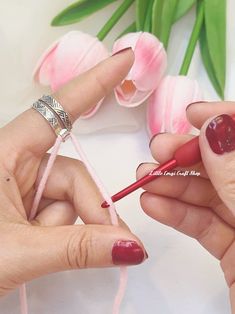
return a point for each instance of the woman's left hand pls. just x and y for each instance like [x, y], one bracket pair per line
[48, 243]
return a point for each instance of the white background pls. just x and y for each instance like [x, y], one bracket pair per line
[179, 277]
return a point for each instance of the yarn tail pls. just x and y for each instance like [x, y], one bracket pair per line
[114, 220]
[121, 290]
[36, 201]
[23, 299]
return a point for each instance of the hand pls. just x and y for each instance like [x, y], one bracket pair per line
[202, 207]
[48, 243]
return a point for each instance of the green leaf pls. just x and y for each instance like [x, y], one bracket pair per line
[215, 33]
[78, 11]
[141, 12]
[208, 63]
[183, 6]
[148, 17]
[162, 19]
[213, 43]
[130, 29]
[115, 17]
[157, 17]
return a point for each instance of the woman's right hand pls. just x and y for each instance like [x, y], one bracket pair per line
[203, 207]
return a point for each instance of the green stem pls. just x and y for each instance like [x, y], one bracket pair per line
[114, 19]
[130, 29]
[193, 40]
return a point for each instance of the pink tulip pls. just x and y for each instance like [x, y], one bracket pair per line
[147, 70]
[69, 56]
[166, 107]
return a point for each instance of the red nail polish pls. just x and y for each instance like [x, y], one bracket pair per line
[220, 134]
[121, 51]
[154, 136]
[195, 102]
[127, 253]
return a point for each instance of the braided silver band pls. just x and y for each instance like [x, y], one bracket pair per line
[58, 109]
[47, 114]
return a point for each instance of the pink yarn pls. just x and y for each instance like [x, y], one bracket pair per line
[107, 198]
[23, 299]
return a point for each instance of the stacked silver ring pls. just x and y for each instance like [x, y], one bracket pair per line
[55, 114]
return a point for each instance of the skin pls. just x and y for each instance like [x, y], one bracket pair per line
[50, 242]
[30, 249]
[200, 207]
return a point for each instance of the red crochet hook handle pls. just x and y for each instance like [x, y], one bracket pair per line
[186, 155]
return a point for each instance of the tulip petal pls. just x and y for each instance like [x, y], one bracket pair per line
[90, 113]
[70, 56]
[150, 62]
[166, 111]
[191, 93]
[130, 100]
[147, 70]
[43, 70]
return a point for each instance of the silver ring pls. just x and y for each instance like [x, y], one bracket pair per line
[58, 109]
[47, 114]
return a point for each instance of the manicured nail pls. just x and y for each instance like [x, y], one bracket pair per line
[195, 102]
[154, 136]
[142, 163]
[220, 134]
[127, 253]
[121, 51]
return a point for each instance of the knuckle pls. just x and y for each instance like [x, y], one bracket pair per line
[79, 248]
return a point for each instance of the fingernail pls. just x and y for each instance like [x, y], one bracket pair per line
[195, 102]
[127, 253]
[142, 163]
[154, 136]
[220, 134]
[121, 51]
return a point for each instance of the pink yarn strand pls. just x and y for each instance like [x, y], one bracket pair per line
[33, 212]
[114, 220]
[23, 299]
[121, 290]
[44, 178]
[107, 198]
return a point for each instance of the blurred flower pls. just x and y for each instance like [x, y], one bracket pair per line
[74, 53]
[166, 107]
[147, 70]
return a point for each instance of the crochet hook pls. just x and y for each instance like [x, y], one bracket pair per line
[186, 155]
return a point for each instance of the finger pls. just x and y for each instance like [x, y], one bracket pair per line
[56, 214]
[200, 223]
[31, 132]
[190, 189]
[70, 181]
[52, 249]
[216, 141]
[198, 113]
[163, 146]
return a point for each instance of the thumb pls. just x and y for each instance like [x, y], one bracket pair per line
[217, 145]
[52, 249]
